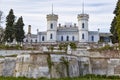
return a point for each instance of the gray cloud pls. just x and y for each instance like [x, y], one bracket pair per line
[34, 11]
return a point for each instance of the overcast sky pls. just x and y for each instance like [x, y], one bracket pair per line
[34, 12]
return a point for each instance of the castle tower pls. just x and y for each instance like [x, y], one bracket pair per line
[83, 27]
[52, 20]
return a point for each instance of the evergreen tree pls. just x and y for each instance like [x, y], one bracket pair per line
[118, 27]
[9, 30]
[113, 30]
[19, 32]
[117, 9]
[115, 25]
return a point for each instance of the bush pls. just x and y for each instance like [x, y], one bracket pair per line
[113, 77]
[63, 46]
[7, 47]
[73, 46]
[107, 47]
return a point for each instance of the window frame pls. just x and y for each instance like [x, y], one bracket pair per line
[92, 38]
[73, 38]
[83, 36]
[62, 38]
[67, 38]
[51, 36]
[51, 26]
[83, 25]
[43, 38]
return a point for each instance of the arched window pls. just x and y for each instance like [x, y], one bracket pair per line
[92, 38]
[31, 41]
[67, 38]
[73, 38]
[51, 25]
[83, 36]
[43, 38]
[61, 38]
[26, 40]
[51, 36]
[36, 40]
[83, 25]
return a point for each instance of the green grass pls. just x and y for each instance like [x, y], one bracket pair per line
[87, 77]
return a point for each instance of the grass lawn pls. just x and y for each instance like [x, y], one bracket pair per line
[86, 77]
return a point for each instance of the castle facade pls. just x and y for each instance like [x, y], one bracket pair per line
[64, 33]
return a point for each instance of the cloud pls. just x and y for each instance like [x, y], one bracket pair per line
[34, 12]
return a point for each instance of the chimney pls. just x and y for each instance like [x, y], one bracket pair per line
[29, 29]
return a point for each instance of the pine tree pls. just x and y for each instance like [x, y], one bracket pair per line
[114, 31]
[19, 32]
[118, 27]
[117, 9]
[115, 25]
[9, 30]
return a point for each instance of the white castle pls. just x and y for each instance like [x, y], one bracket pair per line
[65, 33]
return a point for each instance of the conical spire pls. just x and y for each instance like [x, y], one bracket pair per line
[52, 16]
[83, 7]
[52, 8]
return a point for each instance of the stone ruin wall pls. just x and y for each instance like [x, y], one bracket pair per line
[36, 65]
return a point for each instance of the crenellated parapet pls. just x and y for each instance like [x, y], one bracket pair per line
[83, 17]
[52, 17]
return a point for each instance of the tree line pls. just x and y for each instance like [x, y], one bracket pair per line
[13, 30]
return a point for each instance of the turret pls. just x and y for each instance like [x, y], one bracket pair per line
[52, 20]
[83, 27]
[83, 21]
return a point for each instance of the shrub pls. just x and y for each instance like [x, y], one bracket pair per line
[107, 47]
[73, 46]
[12, 47]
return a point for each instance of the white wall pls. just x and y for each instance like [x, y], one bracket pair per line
[65, 34]
[85, 25]
[54, 36]
[82, 30]
[45, 38]
[96, 37]
[29, 39]
[85, 36]
[54, 25]
[51, 31]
